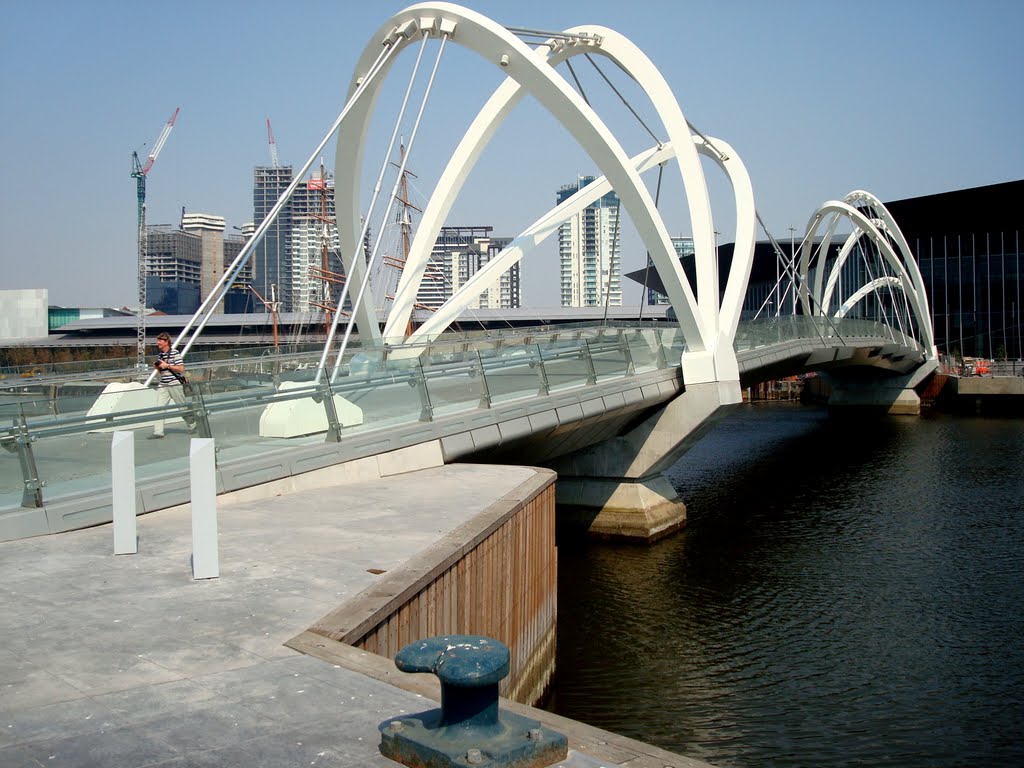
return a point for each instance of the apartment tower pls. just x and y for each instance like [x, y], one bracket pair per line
[588, 249]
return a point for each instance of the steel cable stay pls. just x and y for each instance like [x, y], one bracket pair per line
[615, 236]
[887, 279]
[624, 100]
[608, 284]
[391, 202]
[790, 271]
[908, 313]
[876, 256]
[892, 297]
[871, 279]
[432, 264]
[231, 273]
[647, 263]
[361, 240]
[579, 85]
[618, 207]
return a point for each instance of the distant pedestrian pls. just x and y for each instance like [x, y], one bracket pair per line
[171, 366]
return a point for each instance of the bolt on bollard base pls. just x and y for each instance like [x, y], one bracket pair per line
[468, 729]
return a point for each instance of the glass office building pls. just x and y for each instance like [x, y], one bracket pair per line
[968, 245]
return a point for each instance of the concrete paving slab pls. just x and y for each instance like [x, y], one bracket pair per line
[125, 661]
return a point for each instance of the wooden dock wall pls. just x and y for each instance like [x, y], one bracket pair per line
[495, 575]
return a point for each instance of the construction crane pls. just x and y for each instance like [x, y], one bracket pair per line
[139, 172]
[273, 145]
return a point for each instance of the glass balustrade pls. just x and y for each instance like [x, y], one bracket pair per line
[56, 433]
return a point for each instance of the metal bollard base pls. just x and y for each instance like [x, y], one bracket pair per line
[514, 742]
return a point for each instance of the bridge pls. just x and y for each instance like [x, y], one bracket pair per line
[609, 406]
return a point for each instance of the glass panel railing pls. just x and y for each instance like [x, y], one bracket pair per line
[391, 393]
[267, 402]
[610, 354]
[567, 364]
[512, 373]
[455, 381]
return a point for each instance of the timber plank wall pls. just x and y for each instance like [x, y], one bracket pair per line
[496, 575]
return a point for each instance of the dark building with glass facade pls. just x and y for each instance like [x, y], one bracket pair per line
[968, 246]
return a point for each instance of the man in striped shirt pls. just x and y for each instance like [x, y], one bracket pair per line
[168, 363]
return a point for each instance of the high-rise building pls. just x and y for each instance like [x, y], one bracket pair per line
[291, 254]
[588, 250]
[271, 259]
[183, 265]
[683, 247]
[211, 239]
[459, 253]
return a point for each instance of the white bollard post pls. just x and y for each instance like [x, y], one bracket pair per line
[205, 560]
[122, 481]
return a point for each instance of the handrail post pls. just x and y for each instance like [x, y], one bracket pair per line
[591, 370]
[199, 413]
[331, 410]
[659, 342]
[32, 496]
[544, 387]
[426, 407]
[485, 394]
[627, 353]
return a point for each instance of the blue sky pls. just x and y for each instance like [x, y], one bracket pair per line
[902, 98]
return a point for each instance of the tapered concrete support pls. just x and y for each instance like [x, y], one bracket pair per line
[894, 400]
[617, 489]
[895, 396]
[638, 510]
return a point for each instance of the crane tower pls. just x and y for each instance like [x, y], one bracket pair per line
[273, 145]
[139, 172]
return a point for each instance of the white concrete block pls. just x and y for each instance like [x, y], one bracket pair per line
[303, 415]
[124, 396]
[203, 471]
[122, 474]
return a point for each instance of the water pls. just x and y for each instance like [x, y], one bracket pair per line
[846, 592]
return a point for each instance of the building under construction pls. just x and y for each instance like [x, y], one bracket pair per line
[184, 263]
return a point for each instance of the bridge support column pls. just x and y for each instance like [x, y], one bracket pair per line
[895, 396]
[617, 488]
[643, 509]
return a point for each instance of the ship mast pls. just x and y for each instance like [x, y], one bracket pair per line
[405, 219]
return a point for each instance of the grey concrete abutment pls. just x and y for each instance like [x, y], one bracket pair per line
[618, 489]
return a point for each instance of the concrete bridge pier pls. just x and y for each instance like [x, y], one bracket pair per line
[617, 489]
[892, 395]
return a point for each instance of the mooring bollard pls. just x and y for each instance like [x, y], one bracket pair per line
[468, 728]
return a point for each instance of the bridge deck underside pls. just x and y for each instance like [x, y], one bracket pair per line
[860, 357]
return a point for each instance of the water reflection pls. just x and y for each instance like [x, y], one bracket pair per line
[846, 591]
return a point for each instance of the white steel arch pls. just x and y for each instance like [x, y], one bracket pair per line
[732, 300]
[530, 71]
[866, 290]
[902, 263]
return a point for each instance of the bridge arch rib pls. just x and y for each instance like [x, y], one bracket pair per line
[882, 231]
[704, 326]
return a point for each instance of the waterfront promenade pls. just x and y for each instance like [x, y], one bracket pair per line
[125, 661]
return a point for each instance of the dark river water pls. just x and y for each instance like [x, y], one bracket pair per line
[846, 592]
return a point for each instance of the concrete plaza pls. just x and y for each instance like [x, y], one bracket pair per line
[126, 661]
